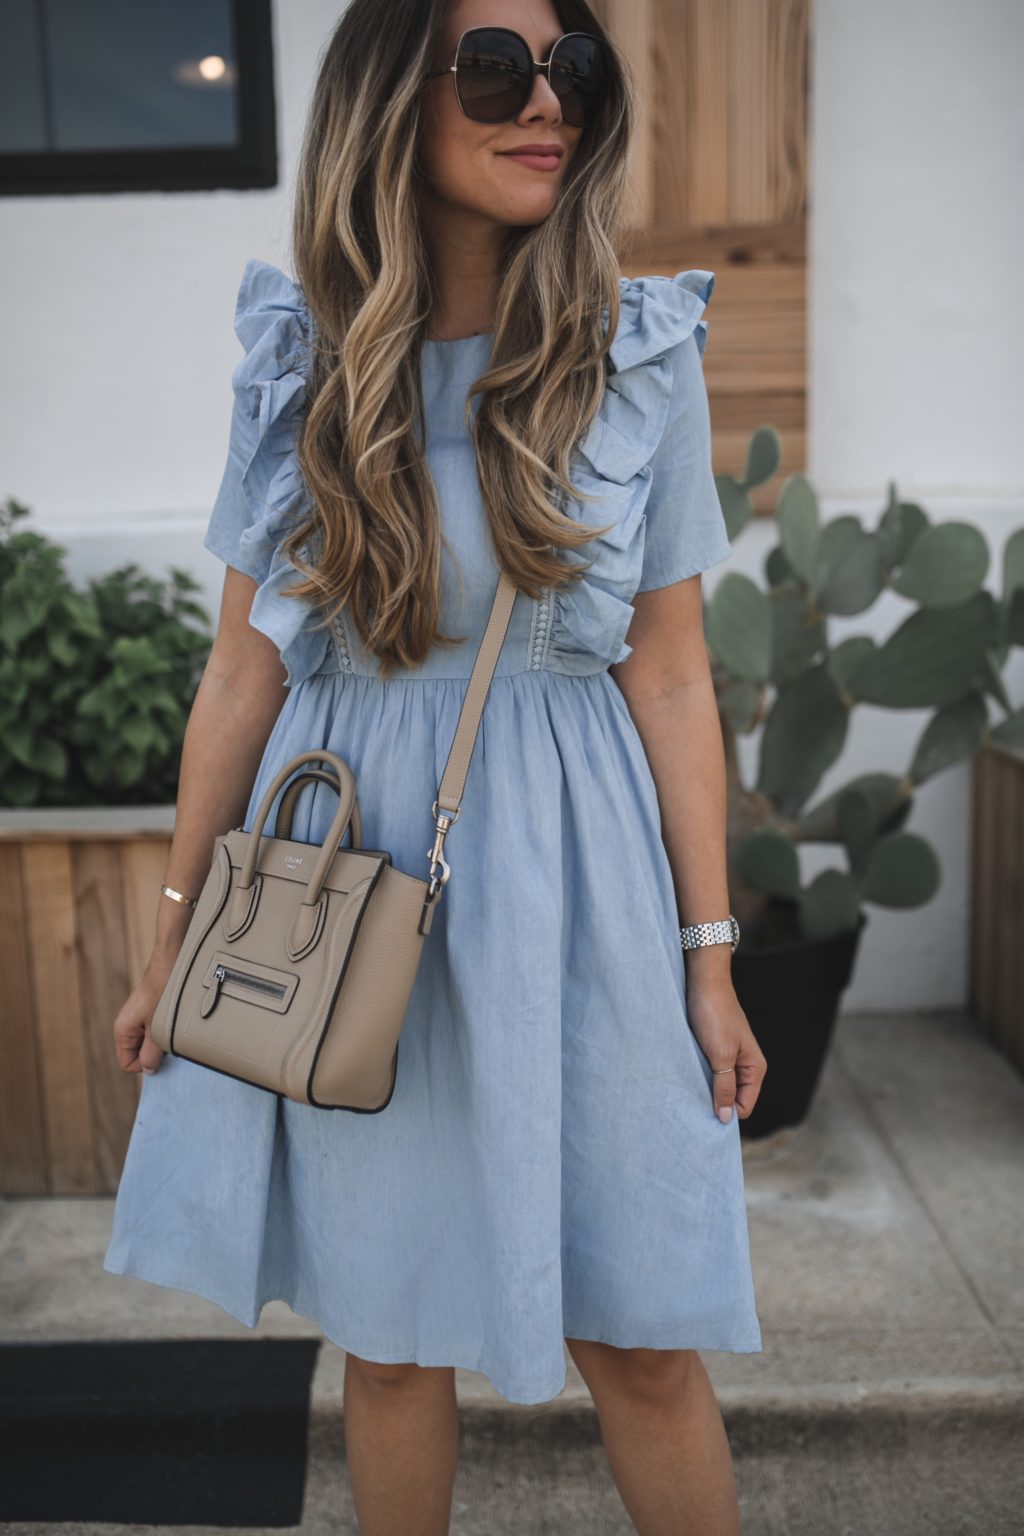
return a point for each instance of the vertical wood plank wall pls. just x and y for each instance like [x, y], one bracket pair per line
[77, 918]
[720, 183]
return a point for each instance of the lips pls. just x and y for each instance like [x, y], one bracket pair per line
[538, 157]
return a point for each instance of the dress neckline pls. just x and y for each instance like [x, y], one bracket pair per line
[457, 341]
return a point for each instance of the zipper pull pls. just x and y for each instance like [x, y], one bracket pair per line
[209, 1002]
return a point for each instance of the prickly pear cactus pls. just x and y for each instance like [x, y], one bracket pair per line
[776, 669]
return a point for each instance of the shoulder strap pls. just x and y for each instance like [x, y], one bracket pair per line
[453, 780]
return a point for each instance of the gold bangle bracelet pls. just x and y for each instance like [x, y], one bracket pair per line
[186, 901]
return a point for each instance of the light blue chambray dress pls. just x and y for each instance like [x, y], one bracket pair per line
[550, 1164]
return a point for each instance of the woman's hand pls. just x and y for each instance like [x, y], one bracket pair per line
[727, 1040]
[135, 1048]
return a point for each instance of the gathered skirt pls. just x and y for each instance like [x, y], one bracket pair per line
[550, 1164]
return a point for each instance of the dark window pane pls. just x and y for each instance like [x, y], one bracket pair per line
[117, 75]
[22, 93]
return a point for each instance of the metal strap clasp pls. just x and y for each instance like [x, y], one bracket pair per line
[443, 822]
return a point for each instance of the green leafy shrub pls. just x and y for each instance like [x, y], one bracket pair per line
[95, 686]
[775, 667]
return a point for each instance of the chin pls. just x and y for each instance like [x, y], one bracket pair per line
[528, 210]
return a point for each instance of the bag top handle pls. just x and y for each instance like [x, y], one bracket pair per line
[346, 800]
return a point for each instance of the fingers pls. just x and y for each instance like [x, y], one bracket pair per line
[129, 1035]
[723, 1091]
[134, 1048]
[749, 1077]
[736, 1085]
[150, 1055]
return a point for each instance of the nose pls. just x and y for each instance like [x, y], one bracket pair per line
[543, 102]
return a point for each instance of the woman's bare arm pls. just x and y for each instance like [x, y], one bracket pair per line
[667, 684]
[237, 702]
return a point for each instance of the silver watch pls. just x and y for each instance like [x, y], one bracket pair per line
[695, 935]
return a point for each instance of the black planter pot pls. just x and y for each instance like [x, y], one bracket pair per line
[790, 994]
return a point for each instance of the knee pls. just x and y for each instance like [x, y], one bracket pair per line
[659, 1374]
[379, 1375]
[646, 1375]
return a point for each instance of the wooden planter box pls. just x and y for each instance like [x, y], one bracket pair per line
[78, 904]
[996, 983]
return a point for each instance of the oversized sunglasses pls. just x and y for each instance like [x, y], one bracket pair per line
[494, 71]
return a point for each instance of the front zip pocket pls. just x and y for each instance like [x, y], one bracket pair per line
[249, 981]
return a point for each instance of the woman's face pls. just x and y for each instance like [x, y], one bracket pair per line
[467, 164]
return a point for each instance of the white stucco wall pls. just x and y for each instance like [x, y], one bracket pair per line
[916, 341]
[119, 349]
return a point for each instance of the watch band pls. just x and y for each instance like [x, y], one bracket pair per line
[696, 935]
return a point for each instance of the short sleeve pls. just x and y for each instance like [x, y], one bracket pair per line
[685, 529]
[262, 495]
[232, 515]
[256, 501]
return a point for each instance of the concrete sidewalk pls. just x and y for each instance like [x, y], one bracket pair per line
[888, 1246]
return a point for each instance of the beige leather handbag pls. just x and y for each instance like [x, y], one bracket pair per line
[297, 967]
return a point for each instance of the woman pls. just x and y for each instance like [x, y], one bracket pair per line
[560, 1159]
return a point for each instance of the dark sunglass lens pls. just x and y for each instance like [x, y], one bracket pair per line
[493, 75]
[578, 76]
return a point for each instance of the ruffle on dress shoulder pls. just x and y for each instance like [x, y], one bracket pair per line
[263, 494]
[613, 460]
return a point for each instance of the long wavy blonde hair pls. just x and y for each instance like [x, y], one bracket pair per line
[366, 273]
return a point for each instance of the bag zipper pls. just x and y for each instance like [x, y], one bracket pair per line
[277, 987]
[243, 978]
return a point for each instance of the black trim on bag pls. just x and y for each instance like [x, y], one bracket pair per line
[331, 1006]
[354, 1109]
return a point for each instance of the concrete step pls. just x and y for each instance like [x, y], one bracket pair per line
[869, 1471]
[850, 1471]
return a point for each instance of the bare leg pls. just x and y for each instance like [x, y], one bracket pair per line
[664, 1437]
[402, 1445]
